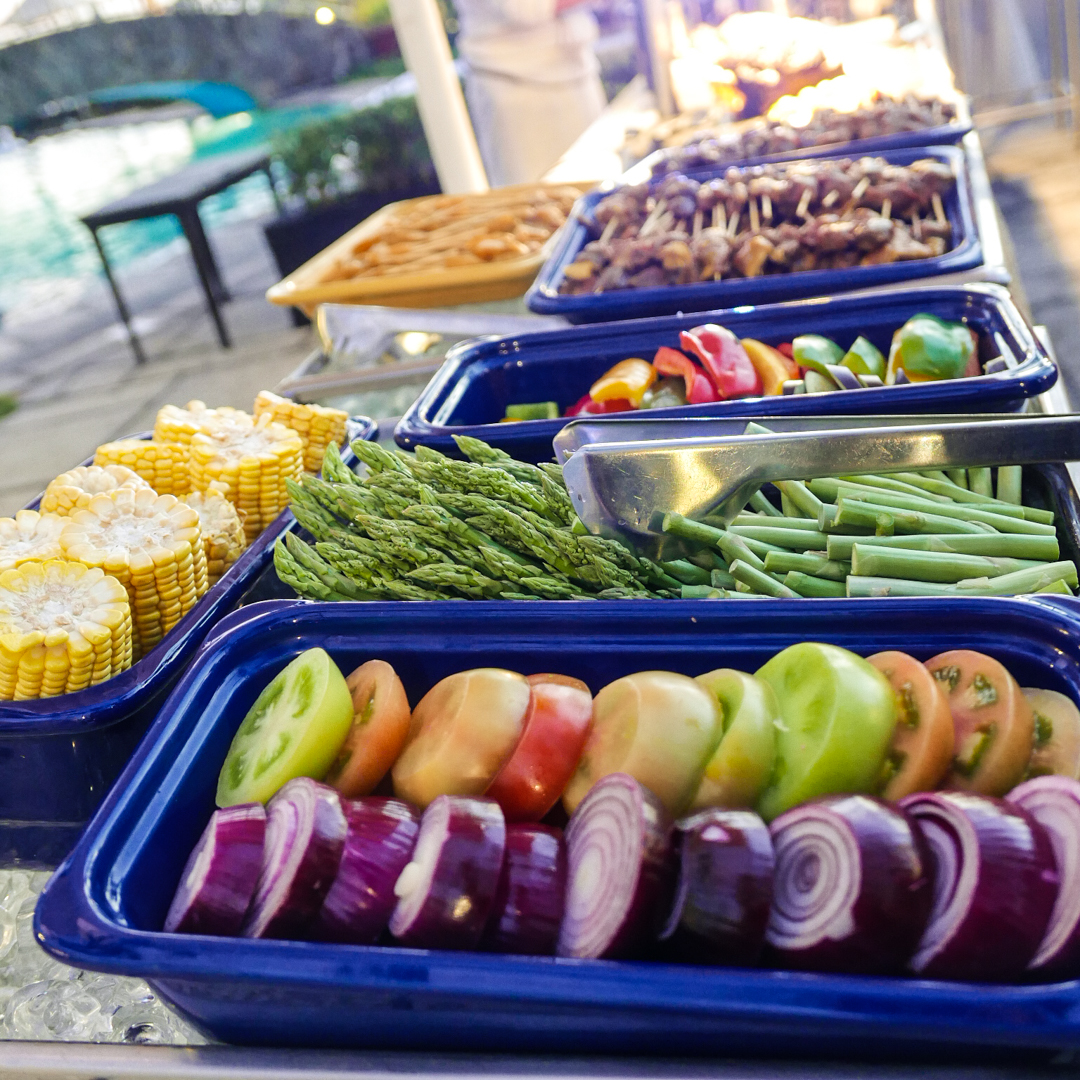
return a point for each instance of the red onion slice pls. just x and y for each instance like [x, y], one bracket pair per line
[618, 846]
[220, 875]
[445, 894]
[305, 835]
[845, 378]
[724, 888]
[994, 886]
[850, 891]
[1054, 802]
[529, 902]
[379, 844]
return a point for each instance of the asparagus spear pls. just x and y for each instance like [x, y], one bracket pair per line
[810, 586]
[776, 523]
[959, 494]
[1009, 480]
[850, 489]
[826, 486]
[979, 482]
[759, 581]
[800, 496]
[1022, 581]
[958, 477]
[1000, 545]
[799, 539]
[730, 545]
[721, 579]
[870, 561]
[760, 503]
[892, 519]
[875, 586]
[686, 572]
[782, 562]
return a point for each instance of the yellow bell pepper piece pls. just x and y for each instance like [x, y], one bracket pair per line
[628, 379]
[771, 364]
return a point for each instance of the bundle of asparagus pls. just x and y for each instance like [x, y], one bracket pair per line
[424, 526]
[905, 534]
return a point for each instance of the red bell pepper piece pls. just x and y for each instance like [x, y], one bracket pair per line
[703, 391]
[724, 358]
[668, 361]
[787, 349]
[585, 406]
[580, 406]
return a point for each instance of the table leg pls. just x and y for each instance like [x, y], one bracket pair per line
[125, 315]
[207, 270]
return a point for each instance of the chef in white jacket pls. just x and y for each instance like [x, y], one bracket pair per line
[533, 84]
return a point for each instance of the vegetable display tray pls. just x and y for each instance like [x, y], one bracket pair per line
[544, 297]
[306, 289]
[470, 393]
[105, 906]
[59, 756]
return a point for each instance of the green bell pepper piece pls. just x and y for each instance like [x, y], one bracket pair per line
[816, 352]
[864, 358]
[535, 410]
[927, 347]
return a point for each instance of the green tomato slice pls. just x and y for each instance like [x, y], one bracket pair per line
[295, 728]
[837, 715]
[741, 765]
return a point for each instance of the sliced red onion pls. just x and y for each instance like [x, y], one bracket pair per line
[220, 875]
[305, 835]
[619, 869]
[445, 895]
[992, 367]
[871, 381]
[793, 386]
[994, 886]
[379, 844]
[845, 378]
[901, 378]
[850, 891]
[529, 902]
[724, 889]
[1054, 802]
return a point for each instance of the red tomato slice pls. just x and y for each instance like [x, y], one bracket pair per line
[556, 725]
[922, 746]
[379, 729]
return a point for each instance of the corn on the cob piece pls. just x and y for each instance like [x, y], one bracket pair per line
[222, 530]
[252, 463]
[75, 488]
[164, 466]
[176, 425]
[29, 537]
[151, 544]
[317, 425]
[63, 627]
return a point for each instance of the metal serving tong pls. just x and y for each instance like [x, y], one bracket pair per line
[624, 475]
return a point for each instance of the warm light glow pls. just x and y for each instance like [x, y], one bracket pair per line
[324, 16]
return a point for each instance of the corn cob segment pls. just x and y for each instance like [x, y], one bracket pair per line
[152, 545]
[317, 425]
[164, 466]
[29, 537]
[63, 627]
[74, 489]
[252, 464]
[222, 530]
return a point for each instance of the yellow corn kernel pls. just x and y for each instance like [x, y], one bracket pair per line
[164, 466]
[63, 627]
[317, 425]
[251, 464]
[152, 545]
[74, 489]
[29, 537]
[221, 527]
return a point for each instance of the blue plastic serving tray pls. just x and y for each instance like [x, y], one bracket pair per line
[469, 394]
[59, 756]
[105, 906]
[544, 296]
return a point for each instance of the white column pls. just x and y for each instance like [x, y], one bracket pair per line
[449, 132]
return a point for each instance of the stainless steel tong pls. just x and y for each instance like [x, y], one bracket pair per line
[624, 475]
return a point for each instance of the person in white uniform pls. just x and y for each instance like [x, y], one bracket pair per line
[533, 84]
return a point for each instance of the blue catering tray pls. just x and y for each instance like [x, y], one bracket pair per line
[479, 379]
[544, 296]
[59, 756]
[105, 906]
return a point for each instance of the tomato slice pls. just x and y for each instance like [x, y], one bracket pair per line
[462, 732]
[741, 765]
[922, 746]
[994, 722]
[554, 731]
[295, 728]
[379, 729]
[1057, 734]
[837, 715]
[657, 726]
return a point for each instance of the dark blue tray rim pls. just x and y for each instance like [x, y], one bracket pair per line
[544, 298]
[1034, 374]
[72, 923]
[110, 702]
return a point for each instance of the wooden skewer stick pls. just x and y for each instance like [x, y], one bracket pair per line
[609, 229]
[733, 225]
[830, 198]
[939, 210]
[723, 216]
[655, 214]
[804, 203]
[716, 214]
[697, 223]
[766, 208]
[886, 208]
[916, 225]
[856, 194]
[755, 223]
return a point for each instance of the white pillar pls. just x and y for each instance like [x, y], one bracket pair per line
[449, 132]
